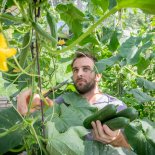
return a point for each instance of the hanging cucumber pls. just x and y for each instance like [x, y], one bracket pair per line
[103, 115]
[6, 16]
[53, 26]
[43, 33]
[25, 49]
[117, 123]
[130, 113]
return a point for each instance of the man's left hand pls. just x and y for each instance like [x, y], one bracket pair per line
[105, 135]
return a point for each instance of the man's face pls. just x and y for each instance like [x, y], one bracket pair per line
[84, 77]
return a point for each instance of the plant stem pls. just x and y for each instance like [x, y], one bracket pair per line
[37, 14]
[134, 72]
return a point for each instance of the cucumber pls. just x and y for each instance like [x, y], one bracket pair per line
[43, 33]
[117, 123]
[130, 113]
[25, 49]
[53, 27]
[6, 16]
[103, 115]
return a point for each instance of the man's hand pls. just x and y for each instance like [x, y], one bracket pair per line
[104, 134]
[23, 101]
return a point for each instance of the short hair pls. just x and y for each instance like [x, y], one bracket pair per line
[82, 55]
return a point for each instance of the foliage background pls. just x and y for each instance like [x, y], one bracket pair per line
[124, 44]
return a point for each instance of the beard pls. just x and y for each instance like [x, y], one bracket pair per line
[85, 87]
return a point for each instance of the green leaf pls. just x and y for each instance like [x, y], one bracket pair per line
[104, 63]
[79, 105]
[73, 114]
[112, 3]
[69, 143]
[97, 148]
[89, 39]
[149, 128]
[132, 48]
[98, 6]
[114, 43]
[147, 6]
[142, 65]
[63, 117]
[72, 16]
[138, 135]
[9, 118]
[141, 96]
[129, 50]
[146, 84]
[106, 34]
[66, 119]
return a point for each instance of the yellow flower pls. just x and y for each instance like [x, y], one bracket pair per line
[5, 53]
[61, 42]
[3, 43]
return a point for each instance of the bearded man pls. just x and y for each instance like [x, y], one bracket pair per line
[86, 83]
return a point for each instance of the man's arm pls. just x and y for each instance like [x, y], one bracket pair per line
[105, 135]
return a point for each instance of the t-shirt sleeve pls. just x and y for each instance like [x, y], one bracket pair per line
[59, 100]
[120, 105]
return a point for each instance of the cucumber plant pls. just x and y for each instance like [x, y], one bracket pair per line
[32, 29]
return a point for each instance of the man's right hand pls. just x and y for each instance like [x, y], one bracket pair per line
[23, 101]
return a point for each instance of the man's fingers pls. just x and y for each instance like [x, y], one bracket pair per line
[95, 132]
[36, 100]
[22, 101]
[100, 129]
[98, 132]
[110, 132]
[49, 101]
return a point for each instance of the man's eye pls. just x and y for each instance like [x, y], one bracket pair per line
[86, 69]
[75, 70]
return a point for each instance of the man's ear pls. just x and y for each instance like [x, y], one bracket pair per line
[98, 77]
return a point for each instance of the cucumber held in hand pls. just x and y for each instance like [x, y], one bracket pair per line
[130, 113]
[103, 115]
[117, 123]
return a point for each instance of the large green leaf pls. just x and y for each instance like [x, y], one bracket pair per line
[62, 116]
[114, 43]
[69, 142]
[148, 6]
[142, 65]
[72, 115]
[112, 3]
[91, 39]
[140, 135]
[129, 49]
[98, 6]
[141, 96]
[133, 47]
[11, 128]
[146, 84]
[149, 128]
[78, 105]
[97, 148]
[72, 16]
[104, 63]
[106, 34]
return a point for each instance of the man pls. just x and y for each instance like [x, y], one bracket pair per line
[86, 82]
